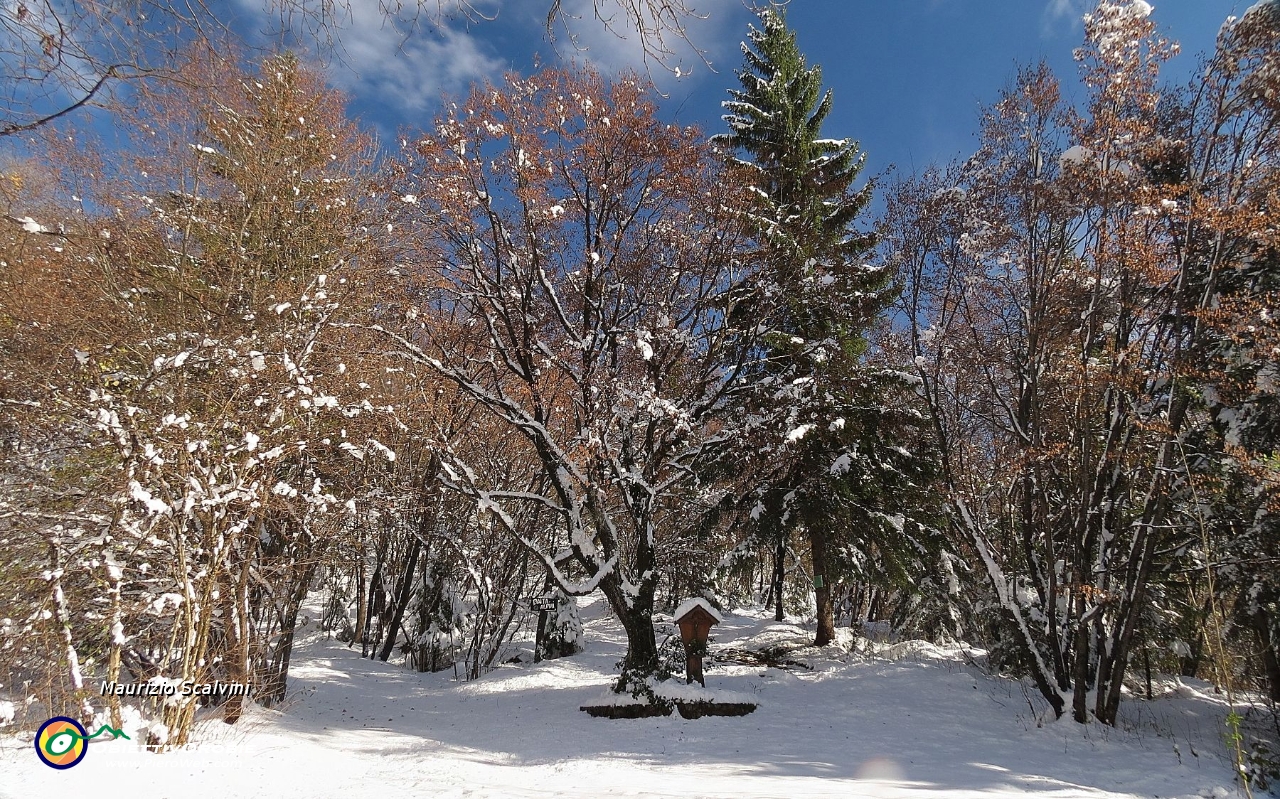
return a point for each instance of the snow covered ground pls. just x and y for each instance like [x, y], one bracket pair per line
[911, 720]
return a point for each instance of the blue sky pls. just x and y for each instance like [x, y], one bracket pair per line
[909, 75]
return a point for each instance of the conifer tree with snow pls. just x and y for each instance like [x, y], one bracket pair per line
[836, 470]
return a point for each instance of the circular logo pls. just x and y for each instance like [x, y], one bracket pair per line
[61, 742]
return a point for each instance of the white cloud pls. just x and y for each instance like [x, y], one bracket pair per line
[408, 67]
[1058, 11]
[406, 61]
[608, 39]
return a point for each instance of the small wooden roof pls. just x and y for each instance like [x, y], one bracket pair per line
[695, 604]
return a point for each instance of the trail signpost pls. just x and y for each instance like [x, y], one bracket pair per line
[543, 604]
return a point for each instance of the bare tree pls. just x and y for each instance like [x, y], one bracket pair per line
[56, 58]
[187, 376]
[570, 262]
[1058, 288]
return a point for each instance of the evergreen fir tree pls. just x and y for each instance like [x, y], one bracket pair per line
[837, 470]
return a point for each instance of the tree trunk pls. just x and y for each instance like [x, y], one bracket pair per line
[278, 669]
[826, 632]
[512, 608]
[1189, 664]
[375, 602]
[237, 619]
[636, 615]
[641, 659]
[1126, 624]
[63, 617]
[1270, 659]
[116, 636]
[401, 599]
[1080, 666]
[540, 639]
[362, 602]
[428, 516]
[779, 577]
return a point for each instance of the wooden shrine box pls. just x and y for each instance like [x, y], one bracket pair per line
[695, 617]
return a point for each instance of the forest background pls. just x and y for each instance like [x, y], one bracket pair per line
[554, 342]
